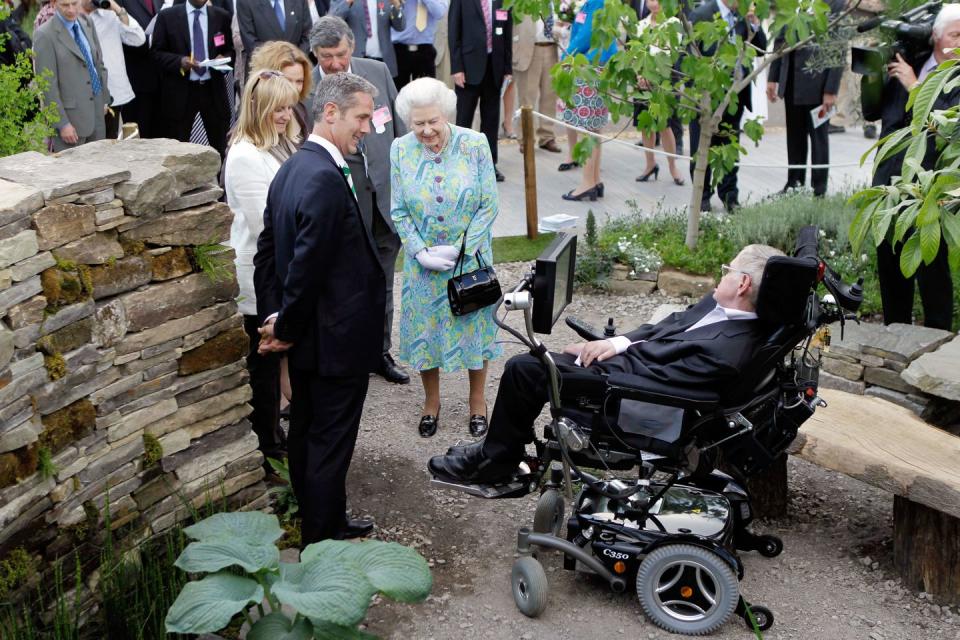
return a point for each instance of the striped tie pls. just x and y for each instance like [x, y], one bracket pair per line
[346, 172]
[91, 67]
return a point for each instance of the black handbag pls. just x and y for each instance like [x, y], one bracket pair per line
[468, 292]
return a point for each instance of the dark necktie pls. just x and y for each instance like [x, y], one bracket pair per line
[199, 48]
[149, 5]
[91, 67]
[278, 10]
[366, 17]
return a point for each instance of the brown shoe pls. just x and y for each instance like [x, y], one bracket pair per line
[551, 146]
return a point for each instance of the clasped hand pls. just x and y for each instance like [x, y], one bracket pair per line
[588, 352]
[441, 257]
[269, 343]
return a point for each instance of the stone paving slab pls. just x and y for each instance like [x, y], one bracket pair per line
[937, 373]
[896, 342]
[56, 177]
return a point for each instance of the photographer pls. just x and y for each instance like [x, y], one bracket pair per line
[936, 290]
[114, 29]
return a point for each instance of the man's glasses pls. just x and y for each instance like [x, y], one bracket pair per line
[725, 269]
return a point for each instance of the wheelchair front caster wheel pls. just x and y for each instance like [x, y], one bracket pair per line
[769, 546]
[687, 589]
[762, 616]
[548, 518]
[529, 583]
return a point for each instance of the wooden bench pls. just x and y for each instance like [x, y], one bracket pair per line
[889, 447]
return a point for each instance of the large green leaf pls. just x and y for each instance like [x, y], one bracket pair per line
[393, 569]
[910, 256]
[277, 626]
[323, 630]
[252, 527]
[950, 224]
[930, 241]
[206, 557]
[208, 605]
[334, 590]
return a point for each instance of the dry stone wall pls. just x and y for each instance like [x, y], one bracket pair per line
[122, 380]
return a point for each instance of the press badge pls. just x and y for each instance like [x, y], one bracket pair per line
[381, 117]
[219, 40]
[502, 15]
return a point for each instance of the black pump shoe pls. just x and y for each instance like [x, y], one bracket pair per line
[478, 425]
[653, 172]
[428, 424]
[590, 194]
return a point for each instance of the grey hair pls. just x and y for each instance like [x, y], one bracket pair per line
[328, 32]
[341, 89]
[949, 13]
[752, 260]
[425, 92]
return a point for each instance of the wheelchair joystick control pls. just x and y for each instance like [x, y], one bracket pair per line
[610, 330]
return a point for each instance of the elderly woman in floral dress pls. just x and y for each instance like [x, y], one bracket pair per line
[443, 189]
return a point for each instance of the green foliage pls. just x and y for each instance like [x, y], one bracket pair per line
[15, 569]
[55, 365]
[286, 500]
[45, 467]
[23, 122]
[152, 450]
[591, 235]
[213, 259]
[330, 587]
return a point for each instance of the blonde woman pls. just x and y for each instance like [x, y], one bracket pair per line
[266, 135]
[295, 66]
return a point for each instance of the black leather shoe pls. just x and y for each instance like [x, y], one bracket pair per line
[391, 372]
[428, 425]
[460, 449]
[478, 426]
[473, 467]
[357, 528]
[500, 177]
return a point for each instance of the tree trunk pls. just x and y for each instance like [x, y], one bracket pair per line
[708, 126]
[926, 549]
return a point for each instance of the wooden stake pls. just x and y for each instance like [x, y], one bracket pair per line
[529, 170]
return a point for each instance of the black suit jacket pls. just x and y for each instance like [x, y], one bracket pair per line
[316, 265]
[141, 68]
[796, 84]
[713, 355]
[172, 41]
[758, 38]
[467, 36]
[226, 5]
[258, 24]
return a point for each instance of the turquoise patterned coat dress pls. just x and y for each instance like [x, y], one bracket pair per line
[433, 200]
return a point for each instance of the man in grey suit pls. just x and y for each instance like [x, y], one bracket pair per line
[331, 41]
[371, 21]
[68, 47]
[265, 20]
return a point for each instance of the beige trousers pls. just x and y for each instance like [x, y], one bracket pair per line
[535, 83]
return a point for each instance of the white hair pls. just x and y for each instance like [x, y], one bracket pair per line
[752, 260]
[425, 92]
[949, 13]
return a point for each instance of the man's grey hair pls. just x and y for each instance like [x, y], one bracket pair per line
[328, 32]
[752, 260]
[341, 89]
[949, 13]
[425, 92]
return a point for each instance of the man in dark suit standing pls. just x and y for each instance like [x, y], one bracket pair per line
[749, 29]
[332, 43]
[801, 90]
[480, 33]
[709, 344]
[320, 290]
[371, 21]
[184, 36]
[144, 75]
[265, 20]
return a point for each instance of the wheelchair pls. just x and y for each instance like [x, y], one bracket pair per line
[675, 526]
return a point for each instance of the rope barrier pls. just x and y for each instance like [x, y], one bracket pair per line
[633, 146]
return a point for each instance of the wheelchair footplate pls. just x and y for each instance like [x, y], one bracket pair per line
[526, 481]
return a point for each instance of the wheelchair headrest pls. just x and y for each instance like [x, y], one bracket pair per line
[785, 289]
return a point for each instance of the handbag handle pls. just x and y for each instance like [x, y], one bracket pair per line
[461, 258]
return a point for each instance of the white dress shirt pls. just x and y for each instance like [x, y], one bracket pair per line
[113, 34]
[927, 67]
[337, 156]
[203, 27]
[373, 40]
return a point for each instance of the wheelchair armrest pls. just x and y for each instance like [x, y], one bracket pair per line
[632, 387]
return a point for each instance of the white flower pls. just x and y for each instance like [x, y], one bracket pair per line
[823, 234]
[832, 253]
[863, 257]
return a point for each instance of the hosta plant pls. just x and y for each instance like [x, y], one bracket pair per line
[330, 588]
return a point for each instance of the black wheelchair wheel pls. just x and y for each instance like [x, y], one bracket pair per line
[548, 517]
[687, 589]
[769, 546]
[529, 583]
[761, 614]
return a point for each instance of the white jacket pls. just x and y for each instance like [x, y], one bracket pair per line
[249, 173]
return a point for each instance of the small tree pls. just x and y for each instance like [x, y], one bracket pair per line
[921, 203]
[682, 78]
[24, 120]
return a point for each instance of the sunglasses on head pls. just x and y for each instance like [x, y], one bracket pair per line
[266, 74]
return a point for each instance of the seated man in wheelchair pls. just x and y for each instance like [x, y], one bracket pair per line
[708, 345]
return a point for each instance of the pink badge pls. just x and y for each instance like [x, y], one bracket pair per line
[581, 18]
[219, 40]
[381, 117]
[502, 15]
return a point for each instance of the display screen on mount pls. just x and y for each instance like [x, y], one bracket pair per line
[553, 281]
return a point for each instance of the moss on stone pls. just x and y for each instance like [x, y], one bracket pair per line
[62, 287]
[67, 339]
[18, 464]
[152, 450]
[15, 570]
[68, 424]
[224, 348]
[84, 272]
[56, 366]
[65, 265]
[132, 247]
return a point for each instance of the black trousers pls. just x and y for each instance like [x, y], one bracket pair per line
[265, 384]
[324, 420]
[896, 291]
[144, 110]
[414, 64]
[202, 99]
[799, 130]
[727, 189]
[487, 93]
[388, 247]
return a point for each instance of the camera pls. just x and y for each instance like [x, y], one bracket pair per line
[102, 4]
[911, 39]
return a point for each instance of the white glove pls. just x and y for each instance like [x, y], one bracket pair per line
[432, 261]
[445, 251]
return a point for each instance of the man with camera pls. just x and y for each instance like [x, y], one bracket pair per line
[934, 281]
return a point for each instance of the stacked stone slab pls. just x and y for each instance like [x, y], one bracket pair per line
[122, 378]
[873, 359]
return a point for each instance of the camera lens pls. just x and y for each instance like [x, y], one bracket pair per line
[103, 4]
